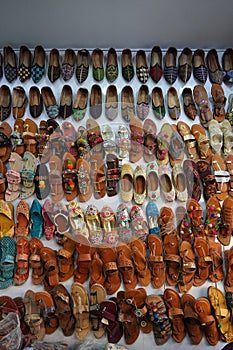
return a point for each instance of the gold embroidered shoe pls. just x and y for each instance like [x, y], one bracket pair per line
[139, 184]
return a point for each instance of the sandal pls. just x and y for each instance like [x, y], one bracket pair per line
[183, 225]
[5, 142]
[94, 225]
[192, 323]
[35, 261]
[17, 137]
[83, 180]
[96, 268]
[219, 101]
[150, 129]
[63, 309]
[163, 143]
[161, 324]
[65, 258]
[45, 301]
[123, 144]
[109, 317]
[70, 137]
[41, 179]
[108, 223]
[83, 248]
[112, 275]
[189, 140]
[98, 176]
[82, 144]
[6, 219]
[188, 267]
[216, 269]
[32, 316]
[61, 221]
[137, 140]
[77, 220]
[13, 176]
[213, 217]
[156, 261]
[113, 174]
[201, 99]
[139, 223]
[43, 144]
[175, 313]
[207, 179]
[138, 252]
[2, 180]
[55, 179]
[203, 143]
[22, 261]
[81, 310]
[228, 282]
[194, 210]
[229, 165]
[123, 223]
[49, 227]
[125, 266]
[203, 309]
[29, 136]
[216, 136]
[69, 176]
[97, 296]
[27, 175]
[172, 258]
[204, 261]
[227, 138]
[36, 227]
[51, 271]
[226, 223]
[192, 179]
[221, 177]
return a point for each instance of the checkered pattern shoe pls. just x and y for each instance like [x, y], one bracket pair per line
[37, 73]
[24, 73]
[10, 73]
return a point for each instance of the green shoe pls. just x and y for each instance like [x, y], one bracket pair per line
[98, 68]
[111, 66]
[158, 103]
[80, 104]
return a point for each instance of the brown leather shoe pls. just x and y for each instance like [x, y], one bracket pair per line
[188, 104]
[19, 102]
[35, 102]
[54, 69]
[5, 102]
[215, 72]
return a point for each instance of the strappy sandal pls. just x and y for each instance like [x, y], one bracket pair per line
[109, 314]
[28, 174]
[175, 314]
[216, 269]
[77, 220]
[13, 176]
[189, 140]
[112, 276]
[203, 309]
[138, 252]
[96, 268]
[51, 271]
[156, 261]
[228, 282]
[81, 310]
[109, 142]
[63, 309]
[201, 99]
[45, 301]
[17, 137]
[83, 248]
[194, 210]
[113, 174]
[32, 316]
[229, 165]
[183, 225]
[82, 143]
[65, 258]
[94, 225]
[203, 143]
[137, 140]
[161, 324]
[204, 261]
[35, 261]
[172, 258]
[163, 142]
[43, 145]
[5, 142]
[216, 136]
[213, 217]
[97, 296]
[192, 323]
[207, 179]
[226, 223]
[188, 267]
[94, 137]
[98, 176]
[128, 319]
[150, 129]
[125, 266]
[70, 136]
[69, 176]
[166, 221]
[29, 136]
[192, 179]
[221, 176]
[61, 221]
[83, 180]
[22, 261]
[2, 180]
[123, 142]
[55, 179]
[108, 223]
[219, 101]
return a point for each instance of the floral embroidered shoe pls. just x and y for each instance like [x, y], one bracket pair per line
[153, 189]
[80, 104]
[108, 223]
[123, 223]
[139, 183]
[111, 65]
[179, 180]
[139, 222]
[200, 70]
[77, 220]
[97, 61]
[126, 182]
[158, 103]
[50, 103]
[166, 184]
[127, 65]
[156, 70]
[170, 67]
[94, 225]
[141, 66]
[111, 102]
[83, 63]
[68, 63]
[38, 64]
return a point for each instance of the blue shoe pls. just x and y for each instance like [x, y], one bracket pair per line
[7, 261]
[36, 219]
[152, 213]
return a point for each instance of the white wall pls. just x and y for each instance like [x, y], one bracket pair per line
[117, 23]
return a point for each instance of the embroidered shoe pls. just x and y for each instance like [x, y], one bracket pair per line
[68, 63]
[127, 65]
[166, 184]
[141, 66]
[139, 183]
[98, 68]
[170, 67]
[83, 63]
[153, 189]
[179, 179]
[24, 69]
[185, 65]
[111, 65]
[156, 70]
[54, 69]
[123, 223]
[158, 103]
[38, 64]
[10, 64]
[200, 70]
